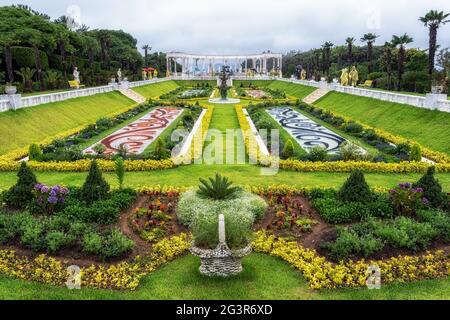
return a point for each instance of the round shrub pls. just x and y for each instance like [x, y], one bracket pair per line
[202, 216]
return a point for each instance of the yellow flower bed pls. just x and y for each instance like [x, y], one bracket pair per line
[198, 140]
[337, 166]
[122, 276]
[322, 274]
[436, 156]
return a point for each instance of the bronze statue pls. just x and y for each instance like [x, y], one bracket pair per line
[224, 77]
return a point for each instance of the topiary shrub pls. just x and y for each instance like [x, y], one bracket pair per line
[34, 152]
[288, 151]
[416, 153]
[432, 189]
[21, 194]
[95, 187]
[356, 189]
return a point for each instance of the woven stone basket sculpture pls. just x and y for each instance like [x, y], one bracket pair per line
[222, 261]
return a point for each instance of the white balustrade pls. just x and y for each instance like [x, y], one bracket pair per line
[31, 101]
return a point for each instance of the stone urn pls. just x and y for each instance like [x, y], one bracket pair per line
[222, 261]
[10, 90]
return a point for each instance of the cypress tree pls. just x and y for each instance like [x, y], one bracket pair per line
[356, 189]
[95, 187]
[21, 194]
[432, 188]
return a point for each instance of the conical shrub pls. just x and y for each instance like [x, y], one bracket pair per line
[432, 189]
[21, 194]
[356, 189]
[95, 187]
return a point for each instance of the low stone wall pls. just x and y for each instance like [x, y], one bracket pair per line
[16, 101]
[431, 101]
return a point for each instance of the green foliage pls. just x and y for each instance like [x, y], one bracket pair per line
[20, 195]
[416, 153]
[288, 150]
[432, 189]
[218, 188]
[99, 148]
[95, 187]
[160, 152]
[24, 57]
[202, 216]
[406, 233]
[350, 242]
[119, 168]
[113, 244]
[34, 151]
[317, 154]
[350, 152]
[356, 189]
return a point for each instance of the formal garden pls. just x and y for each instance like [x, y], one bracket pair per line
[239, 184]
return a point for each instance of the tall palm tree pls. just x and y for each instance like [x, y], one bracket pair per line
[327, 58]
[369, 38]
[433, 20]
[146, 49]
[350, 41]
[387, 57]
[401, 42]
[27, 75]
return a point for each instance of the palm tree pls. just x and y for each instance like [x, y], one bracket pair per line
[350, 42]
[146, 49]
[401, 42]
[387, 57]
[27, 75]
[7, 40]
[370, 39]
[52, 78]
[327, 58]
[433, 20]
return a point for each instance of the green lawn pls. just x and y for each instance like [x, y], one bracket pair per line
[239, 174]
[429, 128]
[22, 127]
[155, 90]
[224, 117]
[292, 89]
[263, 278]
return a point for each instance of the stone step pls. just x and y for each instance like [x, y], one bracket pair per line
[316, 95]
[133, 95]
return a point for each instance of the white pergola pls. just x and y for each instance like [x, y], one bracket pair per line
[205, 64]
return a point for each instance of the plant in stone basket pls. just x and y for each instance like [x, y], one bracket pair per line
[200, 211]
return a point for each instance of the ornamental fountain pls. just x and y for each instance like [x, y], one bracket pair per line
[223, 81]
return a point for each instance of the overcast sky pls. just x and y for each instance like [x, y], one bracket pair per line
[250, 26]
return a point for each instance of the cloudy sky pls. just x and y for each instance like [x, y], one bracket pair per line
[249, 26]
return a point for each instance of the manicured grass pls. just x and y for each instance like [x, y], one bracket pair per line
[153, 91]
[22, 127]
[263, 278]
[225, 118]
[258, 83]
[292, 89]
[239, 174]
[429, 128]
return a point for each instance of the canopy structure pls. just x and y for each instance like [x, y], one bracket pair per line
[192, 65]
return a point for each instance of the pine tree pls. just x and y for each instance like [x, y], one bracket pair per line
[288, 151]
[432, 188]
[20, 195]
[95, 187]
[356, 189]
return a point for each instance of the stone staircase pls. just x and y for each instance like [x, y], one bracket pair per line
[133, 95]
[316, 95]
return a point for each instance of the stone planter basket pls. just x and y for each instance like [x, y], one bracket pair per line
[222, 261]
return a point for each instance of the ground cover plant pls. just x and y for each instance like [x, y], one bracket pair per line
[56, 219]
[71, 148]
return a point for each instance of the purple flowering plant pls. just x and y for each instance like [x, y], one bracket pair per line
[49, 200]
[406, 199]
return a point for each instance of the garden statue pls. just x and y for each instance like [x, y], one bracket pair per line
[223, 84]
[303, 74]
[76, 75]
[119, 75]
[354, 77]
[344, 77]
[144, 75]
[155, 74]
